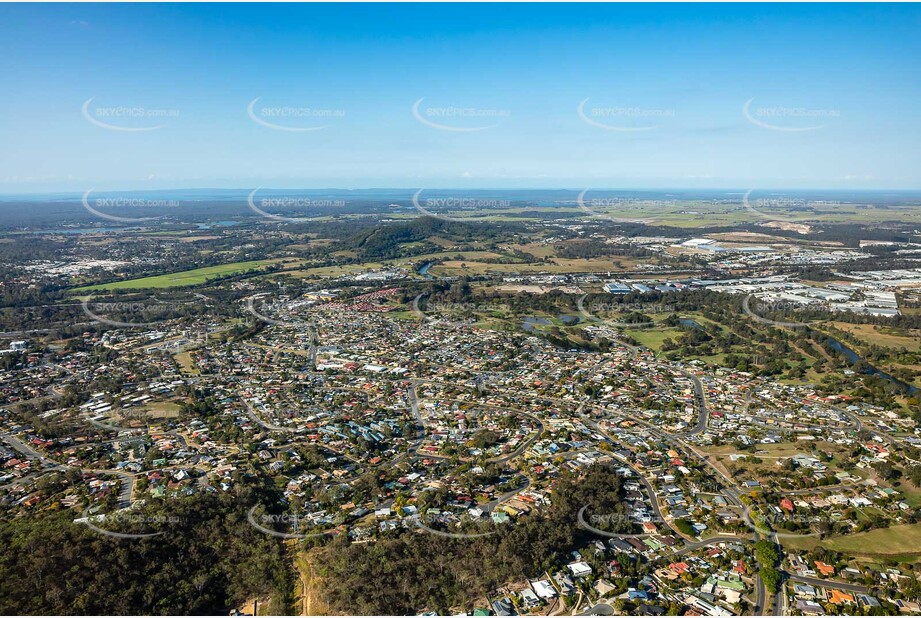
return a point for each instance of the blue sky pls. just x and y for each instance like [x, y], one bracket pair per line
[662, 90]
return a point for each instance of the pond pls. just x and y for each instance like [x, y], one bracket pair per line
[530, 323]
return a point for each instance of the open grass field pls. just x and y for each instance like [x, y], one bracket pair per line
[893, 541]
[782, 449]
[802, 543]
[652, 338]
[186, 364]
[536, 249]
[704, 320]
[911, 494]
[185, 278]
[884, 336]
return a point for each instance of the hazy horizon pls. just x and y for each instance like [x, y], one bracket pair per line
[409, 191]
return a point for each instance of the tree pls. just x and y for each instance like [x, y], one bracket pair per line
[766, 553]
[771, 578]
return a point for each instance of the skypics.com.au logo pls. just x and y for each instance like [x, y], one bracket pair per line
[142, 310]
[425, 527]
[117, 524]
[788, 119]
[268, 523]
[106, 207]
[623, 119]
[786, 525]
[454, 204]
[128, 119]
[451, 314]
[602, 207]
[262, 304]
[590, 311]
[307, 205]
[292, 119]
[784, 208]
[458, 119]
[762, 305]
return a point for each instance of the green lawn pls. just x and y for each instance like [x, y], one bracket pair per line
[180, 279]
[896, 540]
[652, 338]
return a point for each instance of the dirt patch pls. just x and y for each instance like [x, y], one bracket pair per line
[309, 598]
[799, 228]
[253, 607]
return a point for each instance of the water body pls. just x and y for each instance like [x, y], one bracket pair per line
[853, 357]
[691, 323]
[424, 270]
[530, 323]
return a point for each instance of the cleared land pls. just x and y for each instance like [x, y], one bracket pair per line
[196, 276]
[884, 336]
[186, 364]
[893, 541]
[653, 337]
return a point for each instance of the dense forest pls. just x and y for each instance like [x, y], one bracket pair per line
[385, 241]
[207, 560]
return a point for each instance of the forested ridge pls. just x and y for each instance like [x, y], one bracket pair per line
[207, 560]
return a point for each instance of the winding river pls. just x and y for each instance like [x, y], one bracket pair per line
[853, 358]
